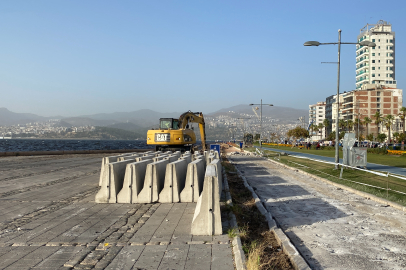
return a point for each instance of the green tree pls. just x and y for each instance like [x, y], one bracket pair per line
[370, 137]
[367, 121]
[378, 121]
[381, 137]
[257, 136]
[331, 136]
[341, 124]
[388, 124]
[298, 132]
[320, 126]
[402, 116]
[341, 135]
[350, 124]
[326, 124]
[396, 136]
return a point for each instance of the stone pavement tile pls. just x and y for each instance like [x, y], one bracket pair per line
[182, 234]
[151, 257]
[35, 257]
[221, 239]
[58, 258]
[199, 257]
[15, 254]
[221, 257]
[126, 258]
[145, 233]
[166, 229]
[204, 238]
[174, 257]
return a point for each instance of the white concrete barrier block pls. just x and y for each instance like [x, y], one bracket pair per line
[207, 217]
[154, 182]
[217, 164]
[188, 158]
[194, 181]
[171, 158]
[113, 178]
[175, 178]
[159, 157]
[133, 181]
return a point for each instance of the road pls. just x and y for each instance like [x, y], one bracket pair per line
[370, 166]
[332, 228]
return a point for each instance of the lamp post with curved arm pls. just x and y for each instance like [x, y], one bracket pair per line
[260, 136]
[316, 43]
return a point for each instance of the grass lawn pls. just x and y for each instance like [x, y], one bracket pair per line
[389, 160]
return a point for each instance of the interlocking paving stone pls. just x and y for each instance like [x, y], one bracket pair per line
[59, 226]
[174, 257]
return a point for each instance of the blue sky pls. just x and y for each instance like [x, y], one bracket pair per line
[82, 57]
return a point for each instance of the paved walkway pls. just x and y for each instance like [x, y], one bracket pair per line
[331, 228]
[48, 220]
[370, 166]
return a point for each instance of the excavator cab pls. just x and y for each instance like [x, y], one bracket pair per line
[168, 123]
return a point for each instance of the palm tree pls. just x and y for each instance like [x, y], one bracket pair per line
[341, 123]
[315, 128]
[388, 123]
[320, 127]
[402, 116]
[378, 120]
[350, 124]
[326, 123]
[367, 121]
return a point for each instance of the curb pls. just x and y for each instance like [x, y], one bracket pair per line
[239, 256]
[360, 193]
[298, 262]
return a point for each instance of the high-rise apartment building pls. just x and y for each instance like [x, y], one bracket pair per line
[376, 65]
[317, 113]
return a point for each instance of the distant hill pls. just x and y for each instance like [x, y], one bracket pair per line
[8, 118]
[142, 118]
[283, 113]
[85, 121]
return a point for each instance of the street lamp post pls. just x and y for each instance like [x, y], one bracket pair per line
[316, 43]
[260, 129]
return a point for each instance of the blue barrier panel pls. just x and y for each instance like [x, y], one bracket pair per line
[215, 147]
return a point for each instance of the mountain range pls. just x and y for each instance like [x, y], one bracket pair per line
[144, 119]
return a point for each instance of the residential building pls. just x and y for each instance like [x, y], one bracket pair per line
[376, 65]
[331, 111]
[371, 99]
[317, 114]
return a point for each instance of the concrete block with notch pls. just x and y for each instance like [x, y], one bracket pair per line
[207, 217]
[133, 181]
[112, 182]
[154, 182]
[175, 178]
[194, 181]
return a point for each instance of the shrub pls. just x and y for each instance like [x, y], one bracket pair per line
[381, 151]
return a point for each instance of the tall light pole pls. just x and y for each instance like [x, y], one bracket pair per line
[316, 43]
[260, 130]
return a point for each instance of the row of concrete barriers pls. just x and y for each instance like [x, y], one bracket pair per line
[166, 177]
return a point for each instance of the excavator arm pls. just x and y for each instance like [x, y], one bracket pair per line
[194, 117]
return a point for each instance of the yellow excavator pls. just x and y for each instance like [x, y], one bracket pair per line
[176, 134]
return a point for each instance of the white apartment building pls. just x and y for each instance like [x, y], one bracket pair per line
[376, 65]
[317, 114]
